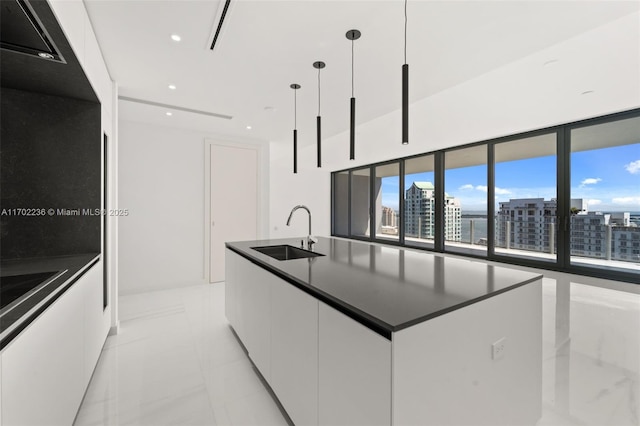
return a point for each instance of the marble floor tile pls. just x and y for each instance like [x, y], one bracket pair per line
[177, 362]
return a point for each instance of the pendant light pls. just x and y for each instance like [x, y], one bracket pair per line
[352, 35]
[405, 86]
[319, 65]
[295, 88]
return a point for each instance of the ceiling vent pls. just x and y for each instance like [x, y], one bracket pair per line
[22, 31]
[223, 12]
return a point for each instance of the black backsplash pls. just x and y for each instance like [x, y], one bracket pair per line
[50, 158]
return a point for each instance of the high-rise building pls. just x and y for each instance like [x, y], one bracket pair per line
[389, 217]
[419, 213]
[529, 224]
[526, 223]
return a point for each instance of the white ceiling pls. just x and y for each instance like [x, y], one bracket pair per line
[267, 45]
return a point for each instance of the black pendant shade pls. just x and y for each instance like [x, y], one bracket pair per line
[319, 65]
[405, 86]
[319, 147]
[295, 150]
[295, 88]
[352, 35]
[352, 132]
[405, 104]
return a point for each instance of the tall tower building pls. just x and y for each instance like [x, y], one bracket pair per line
[419, 213]
[389, 217]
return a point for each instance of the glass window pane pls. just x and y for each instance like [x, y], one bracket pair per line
[419, 201]
[605, 195]
[341, 203]
[360, 203]
[387, 192]
[465, 214]
[525, 198]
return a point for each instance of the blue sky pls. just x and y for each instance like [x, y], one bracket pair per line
[609, 179]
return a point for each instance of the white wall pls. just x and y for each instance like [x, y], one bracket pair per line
[76, 25]
[162, 181]
[521, 96]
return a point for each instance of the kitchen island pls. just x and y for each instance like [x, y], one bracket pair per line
[371, 334]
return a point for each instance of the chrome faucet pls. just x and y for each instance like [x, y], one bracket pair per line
[310, 240]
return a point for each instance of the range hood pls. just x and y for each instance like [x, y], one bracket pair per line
[22, 31]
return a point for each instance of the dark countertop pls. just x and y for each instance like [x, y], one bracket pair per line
[18, 318]
[386, 288]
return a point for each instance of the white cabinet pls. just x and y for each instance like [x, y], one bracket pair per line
[96, 320]
[278, 325]
[294, 351]
[233, 263]
[256, 310]
[354, 371]
[46, 369]
[248, 307]
[324, 367]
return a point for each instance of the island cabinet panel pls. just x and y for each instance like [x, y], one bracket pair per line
[232, 265]
[256, 299]
[354, 372]
[248, 308]
[445, 371]
[294, 351]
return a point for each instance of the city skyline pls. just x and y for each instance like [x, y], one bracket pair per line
[608, 179]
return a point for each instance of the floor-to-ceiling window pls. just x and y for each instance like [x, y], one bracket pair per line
[564, 198]
[605, 195]
[360, 199]
[387, 201]
[340, 204]
[419, 201]
[525, 197]
[465, 200]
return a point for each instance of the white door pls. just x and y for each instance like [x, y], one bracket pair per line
[234, 201]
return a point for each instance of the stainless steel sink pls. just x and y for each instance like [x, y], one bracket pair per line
[286, 252]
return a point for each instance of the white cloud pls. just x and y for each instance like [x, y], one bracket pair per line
[498, 191]
[466, 187]
[589, 181]
[626, 200]
[633, 167]
[593, 202]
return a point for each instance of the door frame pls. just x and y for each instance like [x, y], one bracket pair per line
[262, 186]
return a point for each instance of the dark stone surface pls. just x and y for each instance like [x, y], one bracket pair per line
[386, 288]
[50, 158]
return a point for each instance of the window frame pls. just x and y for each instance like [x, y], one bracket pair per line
[563, 194]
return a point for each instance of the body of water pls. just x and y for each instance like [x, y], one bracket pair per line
[479, 228]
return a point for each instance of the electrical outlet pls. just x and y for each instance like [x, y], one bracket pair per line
[498, 348]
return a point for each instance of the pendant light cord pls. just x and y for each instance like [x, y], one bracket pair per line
[405, 31]
[295, 109]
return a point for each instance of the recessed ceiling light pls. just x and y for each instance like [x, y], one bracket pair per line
[587, 92]
[172, 86]
[248, 127]
[169, 113]
[175, 37]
